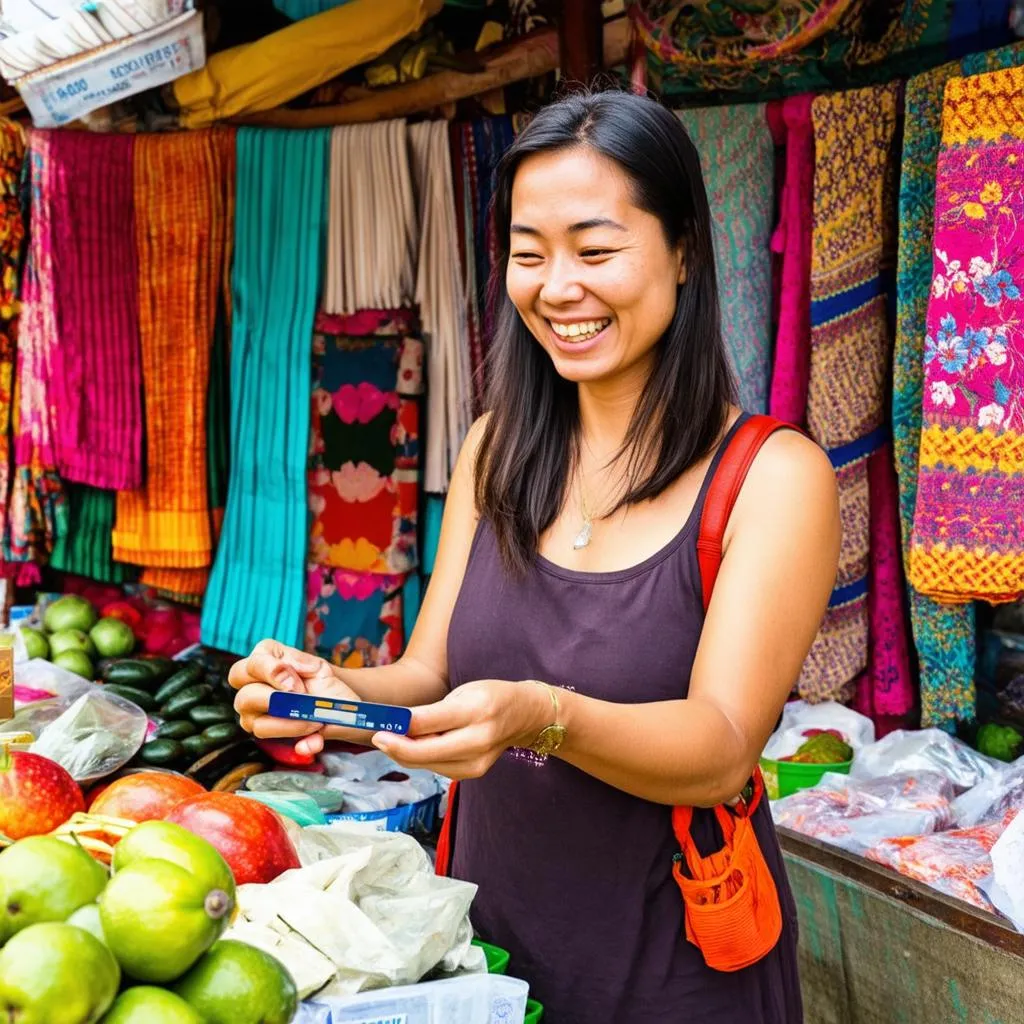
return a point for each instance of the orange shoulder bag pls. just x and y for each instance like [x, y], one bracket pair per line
[732, 909]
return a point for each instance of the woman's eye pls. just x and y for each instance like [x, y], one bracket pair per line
[591, 253]
[526, 257]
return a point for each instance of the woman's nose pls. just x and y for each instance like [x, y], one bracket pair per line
[561, 283]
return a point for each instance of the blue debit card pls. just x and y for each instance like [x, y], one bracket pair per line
[351, 713]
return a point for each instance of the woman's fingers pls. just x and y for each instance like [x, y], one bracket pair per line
[266, 728]
[272, 662]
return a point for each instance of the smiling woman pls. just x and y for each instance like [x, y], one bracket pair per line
[630, 574]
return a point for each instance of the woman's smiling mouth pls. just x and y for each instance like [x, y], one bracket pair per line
[576, 335]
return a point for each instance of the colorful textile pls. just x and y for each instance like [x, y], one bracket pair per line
[364, 448]
[86, 550]
[355, 618]
[98, 377]
[277, 68]
[182, 185]
[968, 539]
[769, 48]
[850, 349]
[791, 125]
[736, 155]
[887, 688]
[299, 9]
[12, 239]
[258, 583]
[37, 513]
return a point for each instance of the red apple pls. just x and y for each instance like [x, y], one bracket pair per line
[144, 796]
[248, 834]
[36, 794]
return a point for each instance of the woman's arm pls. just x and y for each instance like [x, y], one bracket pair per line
[778, 570]
[419, 677]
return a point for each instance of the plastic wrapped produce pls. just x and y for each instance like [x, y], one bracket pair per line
[992, 797]
[924, 750]
[856, 814]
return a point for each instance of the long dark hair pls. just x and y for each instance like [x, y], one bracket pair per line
[532, 434]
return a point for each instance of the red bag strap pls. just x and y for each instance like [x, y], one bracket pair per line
[723, 491]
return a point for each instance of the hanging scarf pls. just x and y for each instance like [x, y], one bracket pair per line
[791, 125]
[968, 539]
[12, 238]
[364, 450]
[257, 586]
[98, 386]
[87, 550]
[181, 184]
[736, 155]
[850, 349]
[37, 514]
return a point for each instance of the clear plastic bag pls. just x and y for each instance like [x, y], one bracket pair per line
[799, 717]
[924, 750]
[39, 680]
[991, 798]
[90, 736]
[374, 782]
[856, 814]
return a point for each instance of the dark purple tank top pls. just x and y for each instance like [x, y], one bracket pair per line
[575, 876]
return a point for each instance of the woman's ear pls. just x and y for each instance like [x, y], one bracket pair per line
[682, 264]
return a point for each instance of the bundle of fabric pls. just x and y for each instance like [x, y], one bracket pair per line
[968, 539]
[86, 549]
[793, 129]
[270, 72]
[944, 635]
[774, 47]
[12, 238]
[257, 587]
[355, 619]
[37, 511]
[364, 449]
[477, 147]
[182, 185]
[850, 350]
[98, 377]
[441, 304]
[736, 155]
[371, 239]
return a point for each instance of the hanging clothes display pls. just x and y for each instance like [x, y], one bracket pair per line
[736, 154]
[87, 549]
[850, 350]
[182, 213]
[364, 456]
[372, 220]
[98, 378]
[792, 128]
[968, 541]
[258, 584]
[355, 619]
[441, 303]
[37, 511]
[285, 64]
[12, 239]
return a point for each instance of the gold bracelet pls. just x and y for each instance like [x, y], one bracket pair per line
[551, 736]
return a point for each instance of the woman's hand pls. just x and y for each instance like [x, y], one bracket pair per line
[274, 666]
[463, 735]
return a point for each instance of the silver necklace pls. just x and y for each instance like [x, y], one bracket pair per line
[587, 529]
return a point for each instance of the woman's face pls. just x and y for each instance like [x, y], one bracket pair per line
[591, 274]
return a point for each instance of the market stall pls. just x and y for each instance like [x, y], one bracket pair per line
[311, 236]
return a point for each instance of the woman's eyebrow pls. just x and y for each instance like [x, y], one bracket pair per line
[583, 225]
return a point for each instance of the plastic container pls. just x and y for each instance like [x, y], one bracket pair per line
[472, 999]
[534, 1012]
[497, 958]
[783, 778]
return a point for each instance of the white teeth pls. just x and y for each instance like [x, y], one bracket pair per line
[580, 331]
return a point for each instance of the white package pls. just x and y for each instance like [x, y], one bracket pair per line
[925, 750]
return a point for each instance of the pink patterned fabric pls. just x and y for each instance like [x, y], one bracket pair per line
[791, 125]
[98, 375]
[887, 688]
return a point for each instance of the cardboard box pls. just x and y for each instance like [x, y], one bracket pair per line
[69, 90]
[6, 683]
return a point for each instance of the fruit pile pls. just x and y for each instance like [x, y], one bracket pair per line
[116, 914]
[74, 636]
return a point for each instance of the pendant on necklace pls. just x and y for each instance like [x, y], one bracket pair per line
[583, 537]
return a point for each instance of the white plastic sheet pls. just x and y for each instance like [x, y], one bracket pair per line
[924, 750]
[798, 716]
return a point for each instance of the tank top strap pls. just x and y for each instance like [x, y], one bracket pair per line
[702, 494]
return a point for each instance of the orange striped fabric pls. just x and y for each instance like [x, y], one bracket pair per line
[184, 198]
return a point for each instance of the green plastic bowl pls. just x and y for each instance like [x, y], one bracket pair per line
[534, 1012]
[497, 958]
[782, 778]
